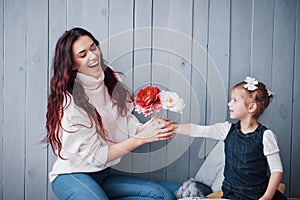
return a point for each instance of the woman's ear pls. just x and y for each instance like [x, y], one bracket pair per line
[252, 108]
[75, 66]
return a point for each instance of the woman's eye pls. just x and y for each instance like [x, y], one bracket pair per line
[94, 48]
[82, 55]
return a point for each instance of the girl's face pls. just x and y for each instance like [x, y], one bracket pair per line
[87, 57]
[237, 107]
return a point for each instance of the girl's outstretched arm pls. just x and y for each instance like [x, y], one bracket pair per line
[217, 131]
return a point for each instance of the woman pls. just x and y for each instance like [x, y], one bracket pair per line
[90, 125]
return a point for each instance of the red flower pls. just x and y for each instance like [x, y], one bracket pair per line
[147, 100]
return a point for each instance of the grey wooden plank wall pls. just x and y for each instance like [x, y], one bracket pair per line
[198, 48]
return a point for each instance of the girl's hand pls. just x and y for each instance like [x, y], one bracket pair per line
[156, 129]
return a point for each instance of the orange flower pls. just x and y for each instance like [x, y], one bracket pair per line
[147, 100]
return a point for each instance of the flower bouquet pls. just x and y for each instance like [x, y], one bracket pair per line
[150, 99]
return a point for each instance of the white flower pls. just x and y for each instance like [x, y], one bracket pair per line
[171, 101]
[250, 83]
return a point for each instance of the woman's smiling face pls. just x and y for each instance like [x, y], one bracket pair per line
[87, 57]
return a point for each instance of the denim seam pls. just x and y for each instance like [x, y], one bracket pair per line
[85, 186]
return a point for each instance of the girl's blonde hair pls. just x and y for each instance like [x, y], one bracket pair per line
[261, 96]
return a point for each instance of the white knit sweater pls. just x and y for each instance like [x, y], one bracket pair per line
[82, 146]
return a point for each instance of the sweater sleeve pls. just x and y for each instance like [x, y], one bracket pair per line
[132, 121]
[133, 124]
[271, 151]
[217, 131]
[80, 140]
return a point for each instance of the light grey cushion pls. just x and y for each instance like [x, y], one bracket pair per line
[211, 171]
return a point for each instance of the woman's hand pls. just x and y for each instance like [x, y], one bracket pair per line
[156, 129]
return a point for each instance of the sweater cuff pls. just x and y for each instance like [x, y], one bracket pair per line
[132, 130]
[105, 154]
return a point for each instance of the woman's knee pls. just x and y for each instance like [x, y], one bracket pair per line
[77, 186]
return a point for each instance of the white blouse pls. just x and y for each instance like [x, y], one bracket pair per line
[219, 131]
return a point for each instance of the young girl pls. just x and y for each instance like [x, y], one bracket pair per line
[251, 149]
[90, 126]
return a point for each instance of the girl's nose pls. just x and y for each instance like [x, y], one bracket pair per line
[228, 104]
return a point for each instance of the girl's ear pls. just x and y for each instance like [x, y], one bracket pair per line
[252, 108]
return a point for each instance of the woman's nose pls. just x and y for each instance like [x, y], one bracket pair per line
[92, 55]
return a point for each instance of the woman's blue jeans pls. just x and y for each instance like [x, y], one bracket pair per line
[105, 185]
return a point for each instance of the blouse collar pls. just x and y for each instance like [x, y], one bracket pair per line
[255, 131]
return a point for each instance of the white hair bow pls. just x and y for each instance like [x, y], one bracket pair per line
[250, 83]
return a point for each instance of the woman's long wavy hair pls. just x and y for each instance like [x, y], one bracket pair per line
[63, 84]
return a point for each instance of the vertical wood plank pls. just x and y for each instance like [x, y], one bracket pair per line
[240, 40]
[1, 94]
[93, 17]
[295, 152]
[36, 97]
[121, 23]
[262, 43]
[96, 21]
[76, 11]
[179, 69]
[57, 26]
[218, 66]
[218, 62]
[120, 50]
[142, 74]
[14, 100]
[283, 60]
[159, 77]
[198, 79]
